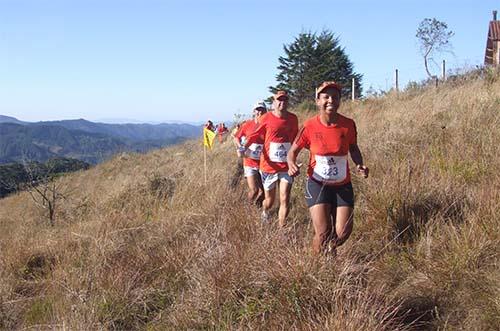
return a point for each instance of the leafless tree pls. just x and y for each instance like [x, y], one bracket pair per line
[434, 37]
[45, 190]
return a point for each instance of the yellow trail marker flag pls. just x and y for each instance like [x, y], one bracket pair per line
[208, 138]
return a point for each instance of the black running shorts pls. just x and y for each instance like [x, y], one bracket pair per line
[337, 196]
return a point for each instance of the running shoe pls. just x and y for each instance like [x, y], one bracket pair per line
[264, 217]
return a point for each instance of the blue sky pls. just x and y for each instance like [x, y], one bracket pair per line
[193, 60]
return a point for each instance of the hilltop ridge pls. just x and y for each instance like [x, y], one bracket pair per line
[141, 242]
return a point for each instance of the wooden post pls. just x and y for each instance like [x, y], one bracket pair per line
[443, 76]
[353, 90]
[396, 79]
[436, 79]
[205, 162]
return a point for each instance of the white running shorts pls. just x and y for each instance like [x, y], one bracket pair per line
[269, 180]
[250, 171]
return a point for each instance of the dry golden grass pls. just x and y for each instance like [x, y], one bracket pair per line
[143, 243]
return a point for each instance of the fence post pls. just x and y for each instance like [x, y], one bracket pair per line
[396, 78]
[353, 90]
[444, 71]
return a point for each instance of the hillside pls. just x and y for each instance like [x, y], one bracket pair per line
[84, 140]
[16, 176]
[140, 242]
[133, 132]
[42, 142]
[9, 119]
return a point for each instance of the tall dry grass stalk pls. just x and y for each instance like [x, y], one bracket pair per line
[143, 243]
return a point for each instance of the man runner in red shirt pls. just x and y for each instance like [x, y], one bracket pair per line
[252, 154]
[329, 136]
[278, 128]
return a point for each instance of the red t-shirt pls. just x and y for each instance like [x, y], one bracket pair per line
[278, 134]
[329, 147]
[252, 155]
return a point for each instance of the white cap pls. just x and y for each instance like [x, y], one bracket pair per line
[260, 104]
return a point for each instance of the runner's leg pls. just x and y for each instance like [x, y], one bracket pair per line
[322, 223]
[285, 188]
[253, 187]
[260, 191]
[269, 196]
[344, 224]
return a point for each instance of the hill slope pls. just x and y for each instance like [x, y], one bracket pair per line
[85, 140]
[9, 119]
[42, 142]
[141, 242]
[133, 132]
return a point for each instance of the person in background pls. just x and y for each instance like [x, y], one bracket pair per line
[210, 125]
[329, 137]
[221, 131]
[251, 156]
[278, 128]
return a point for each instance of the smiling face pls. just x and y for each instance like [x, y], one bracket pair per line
[328, 101]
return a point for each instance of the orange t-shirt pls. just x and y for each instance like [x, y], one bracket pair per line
[252, 155]
[329, 147]
[278, 134]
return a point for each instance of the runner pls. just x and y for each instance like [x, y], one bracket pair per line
[252, 155]
[329, 137]
[221, 131]
[210, 125]
[278, 128]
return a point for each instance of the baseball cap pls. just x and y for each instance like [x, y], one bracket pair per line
[325, 85]
[260, 104]
[280, 93]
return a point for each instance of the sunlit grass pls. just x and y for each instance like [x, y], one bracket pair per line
[144, 243]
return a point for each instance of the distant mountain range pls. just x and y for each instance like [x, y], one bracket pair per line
[84, 140]
[8, 119]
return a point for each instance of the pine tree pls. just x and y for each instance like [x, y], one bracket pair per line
[311, 59]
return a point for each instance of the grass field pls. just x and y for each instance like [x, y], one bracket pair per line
[141, 242]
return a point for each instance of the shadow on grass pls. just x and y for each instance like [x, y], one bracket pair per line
[418, 313]
[410, 217]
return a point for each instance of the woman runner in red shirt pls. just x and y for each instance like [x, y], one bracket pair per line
[329, 137]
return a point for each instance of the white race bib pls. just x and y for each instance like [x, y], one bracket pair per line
[329, 168]
[278, 151]
[254, 151]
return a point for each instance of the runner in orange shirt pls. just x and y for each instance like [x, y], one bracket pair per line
[329, 137]
[252, 154]
[278, 128]
[221, 131]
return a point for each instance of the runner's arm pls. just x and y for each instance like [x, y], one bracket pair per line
[293, 167]
[357, 158]
[237, 141]
[240, 150]
[251, 138]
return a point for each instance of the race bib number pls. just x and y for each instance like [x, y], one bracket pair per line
[332, 169]
[278, 151]
[254, 151]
